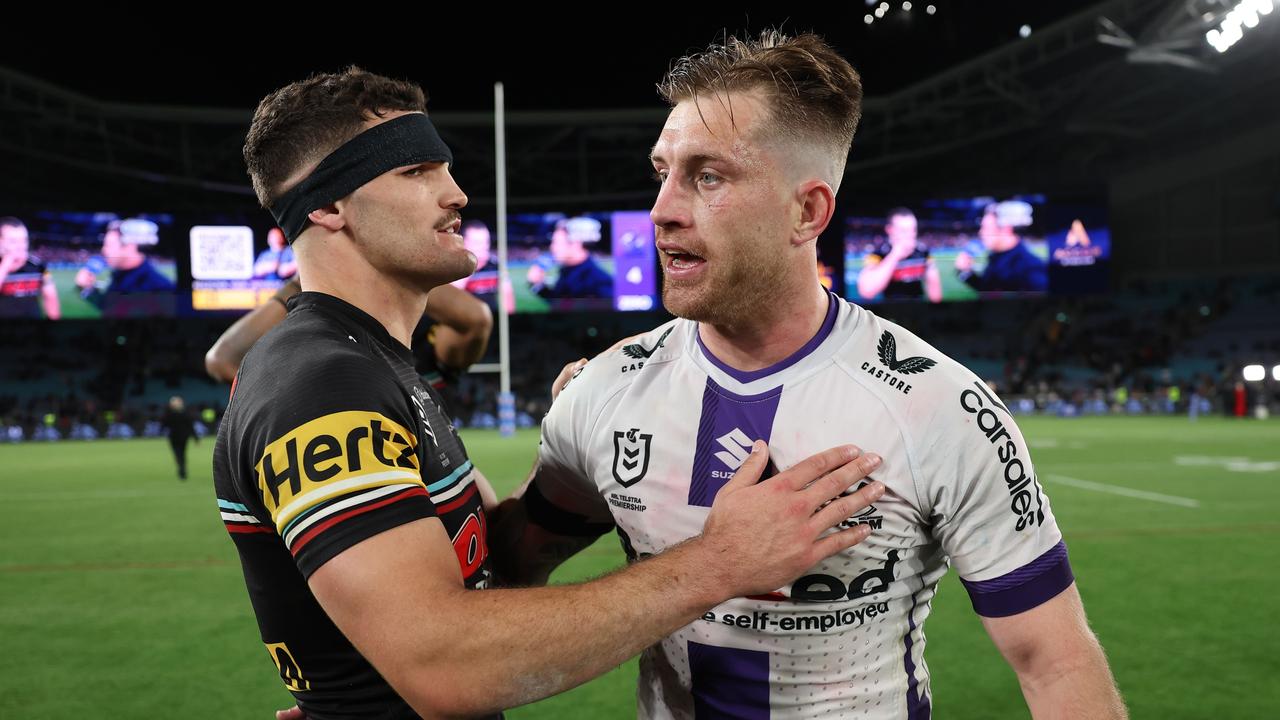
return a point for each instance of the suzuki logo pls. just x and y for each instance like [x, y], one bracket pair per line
[737, 446]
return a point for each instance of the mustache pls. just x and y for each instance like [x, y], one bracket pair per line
[450, 218]
[692, 246]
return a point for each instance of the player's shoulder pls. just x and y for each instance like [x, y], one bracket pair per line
[310, 340]
[916, 382]
[628, 359]
[310, 360]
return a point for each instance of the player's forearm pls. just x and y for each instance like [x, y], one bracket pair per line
[52, 306]
[933, 284]
[222, 361]
[1076, 687]
[873, 280]
[459, 310]
[460, 351]
[465, 324]
[523, 552]
[511, 647]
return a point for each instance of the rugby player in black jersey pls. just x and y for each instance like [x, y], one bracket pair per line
[26, 285]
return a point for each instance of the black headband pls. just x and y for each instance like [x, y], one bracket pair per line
[407, 140]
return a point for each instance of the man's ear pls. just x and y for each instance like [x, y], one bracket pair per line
[817, 204]
[328, 217]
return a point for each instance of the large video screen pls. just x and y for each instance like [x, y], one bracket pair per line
[563, 262]
[970, 248]
[71, 265]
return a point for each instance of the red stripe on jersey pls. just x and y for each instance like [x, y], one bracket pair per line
[249, 529]
[471, 491]
[309, 535]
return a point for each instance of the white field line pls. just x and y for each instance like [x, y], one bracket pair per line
[1126, 492]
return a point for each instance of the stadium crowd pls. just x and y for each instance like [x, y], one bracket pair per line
[1156, 347]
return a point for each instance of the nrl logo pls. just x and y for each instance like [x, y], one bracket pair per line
[888, 350]
[630, 455]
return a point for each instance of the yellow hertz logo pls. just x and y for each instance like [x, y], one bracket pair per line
[290, 673]
[314, 458]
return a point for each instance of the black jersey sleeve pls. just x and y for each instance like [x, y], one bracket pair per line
[334, 456]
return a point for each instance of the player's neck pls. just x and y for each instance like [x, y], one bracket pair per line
[396, 307]
[774, 334]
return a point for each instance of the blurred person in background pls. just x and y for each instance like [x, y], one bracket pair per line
[484, 282]
[180, 428]
[277, 260]
[1011, 267]
[900, 267]
[26, 285]
[123, 255]
[580, 275]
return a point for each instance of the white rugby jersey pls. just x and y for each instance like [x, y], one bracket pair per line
[646, 435]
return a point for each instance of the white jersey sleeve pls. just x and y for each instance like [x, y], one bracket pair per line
[986, 505]
[563, 496]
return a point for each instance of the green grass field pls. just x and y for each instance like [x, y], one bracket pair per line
[121, 595]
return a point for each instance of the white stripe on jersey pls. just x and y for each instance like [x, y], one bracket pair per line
[343, 505]
[327, 490]
[454, 489]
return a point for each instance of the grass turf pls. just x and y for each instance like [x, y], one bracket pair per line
[121, 595]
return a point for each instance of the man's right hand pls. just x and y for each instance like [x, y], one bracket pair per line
[9, 263]
[85, 279]
[964, 262]
[762, 535]
[902, 249]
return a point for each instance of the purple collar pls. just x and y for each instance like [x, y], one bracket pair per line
[744, 377]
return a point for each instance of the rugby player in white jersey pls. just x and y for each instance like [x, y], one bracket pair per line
[749, 161]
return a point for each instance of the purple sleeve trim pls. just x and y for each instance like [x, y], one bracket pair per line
[1027, 587]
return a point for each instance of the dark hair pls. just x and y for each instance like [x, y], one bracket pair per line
[10, 221]
[813, 92]
[301, 123]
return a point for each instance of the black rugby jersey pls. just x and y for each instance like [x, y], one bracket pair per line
[330, 438]
[20, 290]
[907, 281]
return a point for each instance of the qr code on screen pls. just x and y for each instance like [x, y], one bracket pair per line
[221, 252]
